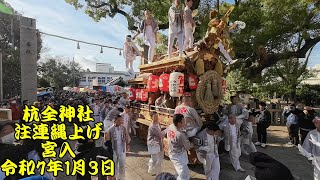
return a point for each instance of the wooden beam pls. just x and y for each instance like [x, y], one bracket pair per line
[175, 62]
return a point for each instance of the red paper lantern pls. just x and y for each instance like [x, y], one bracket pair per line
[176, 87]
[224, 86]
[144, 95]
[153, 83]
[164, 82]
[138, 94]
[132, 94]
[193, 81]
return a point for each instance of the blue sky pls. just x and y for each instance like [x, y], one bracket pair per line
[58, 17]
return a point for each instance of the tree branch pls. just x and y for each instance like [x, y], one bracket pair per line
[113, 6]
[306, 62]
[301, 53]
[114, 10]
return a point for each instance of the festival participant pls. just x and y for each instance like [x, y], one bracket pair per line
[160, 100]
[84, 148]
[149, 28]
[285, 114]
[293, 127]
[311, 147]
[25, 150]
[207, 150]
[15, 110]
[130, 51]
[189, 25]
[175, 27]
[120, 144]
[124, 100]
[237, 109]
[191, 116]
[96, 112]
[112, 114]
[232, 142]
[155, 145]
[179, 144]
[247, 145]
[126, 115]
[105, 109]
[264, 121]
[134, 125]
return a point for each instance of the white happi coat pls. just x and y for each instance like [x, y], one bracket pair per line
[119, 138]
[314, 150]
[178, 146]
[155, 148]
[192, 117]
[207, 153]
[130, 51]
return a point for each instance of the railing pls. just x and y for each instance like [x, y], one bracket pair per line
[276, 114]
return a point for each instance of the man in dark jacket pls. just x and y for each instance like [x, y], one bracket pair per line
[264, 121]
[306, 122]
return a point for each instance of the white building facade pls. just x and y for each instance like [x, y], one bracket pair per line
[99, 78]
[314, 80]
[104, 74]
[104, 67]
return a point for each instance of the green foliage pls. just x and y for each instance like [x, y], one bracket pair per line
[284, 77]
[60, 72]
[11, 73]
[309, 94]
[236, 82]
[133, 12]
[42, 82]
[287, 29]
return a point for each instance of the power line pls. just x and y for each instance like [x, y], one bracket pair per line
[80, 41]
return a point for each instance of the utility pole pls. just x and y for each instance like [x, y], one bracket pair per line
[1, 78]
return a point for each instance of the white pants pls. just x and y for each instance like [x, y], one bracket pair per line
[224, 52]
[235, 154]
[155, 163]
[151, 42]
[172, 37]
[316, 173]
[129, 62]
[248, 147]
[119, 165]
[180, 163]
[211, 167]
[188, 39]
